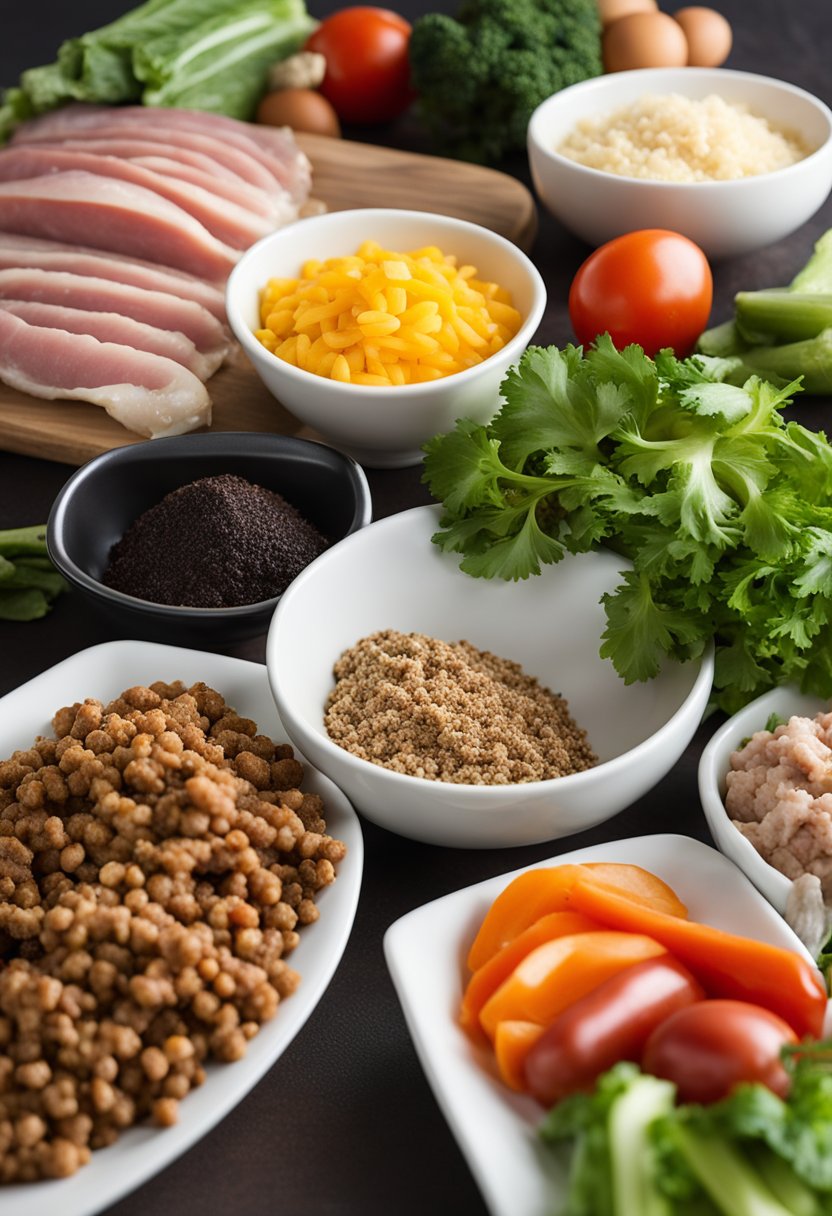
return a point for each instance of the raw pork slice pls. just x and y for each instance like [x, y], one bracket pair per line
[110, 327]
[225, 220]
[111, 126]
[146, 393]
[278, 208]
[18, 252]
[104, 295]
[275, 150]
[109, 214]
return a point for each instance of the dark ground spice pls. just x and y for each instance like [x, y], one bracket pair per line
[216, 543]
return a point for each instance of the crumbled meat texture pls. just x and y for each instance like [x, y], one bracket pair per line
[151, 888]
[779, 795]
[449, 712]
[218, 542]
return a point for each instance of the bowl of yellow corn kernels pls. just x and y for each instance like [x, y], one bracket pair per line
[378, 328]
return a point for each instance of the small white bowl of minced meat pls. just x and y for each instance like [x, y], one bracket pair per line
[765, 784]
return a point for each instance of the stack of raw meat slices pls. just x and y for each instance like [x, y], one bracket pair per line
[118, 228]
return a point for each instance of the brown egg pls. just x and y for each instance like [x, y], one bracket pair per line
[611, 10]
[300, 109]
[708, 34]
[644, 40]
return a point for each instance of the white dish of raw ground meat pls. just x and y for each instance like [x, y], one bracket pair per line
[141, 1151]
[797, 831]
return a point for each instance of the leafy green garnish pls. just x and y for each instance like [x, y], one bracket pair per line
[723, 508]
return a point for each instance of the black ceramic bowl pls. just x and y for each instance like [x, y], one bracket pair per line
[104, 497]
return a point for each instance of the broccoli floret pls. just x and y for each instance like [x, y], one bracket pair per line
[480, 75]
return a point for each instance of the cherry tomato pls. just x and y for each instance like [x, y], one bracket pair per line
[652, 287]
[613, 1022]
[709, 1048]
[367, 68]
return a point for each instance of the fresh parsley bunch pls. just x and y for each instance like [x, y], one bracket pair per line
[721, 505]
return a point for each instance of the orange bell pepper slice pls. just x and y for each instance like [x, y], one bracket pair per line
[560, 972]
[512, 1043]
[487, 979]
[537, 892]
[725, 964]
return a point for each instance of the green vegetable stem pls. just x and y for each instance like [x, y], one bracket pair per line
[782, 333]
[479, 75]
[28, 580]
[752, 1154]
[720, 504]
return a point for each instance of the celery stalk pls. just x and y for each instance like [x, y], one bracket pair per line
[631, 1159]
[735, 1187]
[811, 359]
[816, 275]
[787, 316]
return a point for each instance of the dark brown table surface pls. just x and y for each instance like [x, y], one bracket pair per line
[345, 1122]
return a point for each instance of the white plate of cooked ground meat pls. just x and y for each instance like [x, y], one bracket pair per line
[426, 951]
[176, 889]
[767, 794]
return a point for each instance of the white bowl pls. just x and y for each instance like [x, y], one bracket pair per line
[724, 218]
[713, 767]
[383, 427]
[390, 576]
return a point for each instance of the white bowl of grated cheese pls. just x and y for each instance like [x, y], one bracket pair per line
[733, 160]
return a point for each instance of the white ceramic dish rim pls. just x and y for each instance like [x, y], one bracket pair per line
[736, 183]
[142, 1151]
[484, 793]
[494, 1127]
[786, 699]
[400, 391]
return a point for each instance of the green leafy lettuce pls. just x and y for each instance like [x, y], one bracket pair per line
[721, 506]
[201, 54]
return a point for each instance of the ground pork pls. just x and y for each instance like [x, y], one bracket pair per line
[779, 795]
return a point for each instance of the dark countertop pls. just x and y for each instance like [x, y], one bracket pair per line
[345, 1123]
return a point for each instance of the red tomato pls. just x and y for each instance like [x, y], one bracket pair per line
[367, 68]
[613, 1022]
[709, 1048]
[652, 287]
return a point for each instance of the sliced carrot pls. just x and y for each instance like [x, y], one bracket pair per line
[559, 972]
[490, 975]
[726, 964]
[512, 1043]
[536, 892]
[640, 884]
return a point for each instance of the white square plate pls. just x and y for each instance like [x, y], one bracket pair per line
[496, 1129]
[104, 672]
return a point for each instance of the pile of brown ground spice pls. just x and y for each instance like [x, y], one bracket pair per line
[218, 542]
[449, 712]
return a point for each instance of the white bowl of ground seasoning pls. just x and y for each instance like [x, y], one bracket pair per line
[733, 160]
[466, 739]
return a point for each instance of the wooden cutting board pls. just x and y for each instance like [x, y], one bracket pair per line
[345, 174]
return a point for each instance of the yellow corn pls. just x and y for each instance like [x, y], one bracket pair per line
[378, 317]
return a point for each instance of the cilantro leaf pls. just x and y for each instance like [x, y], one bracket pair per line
[640, 631]
[723, 508]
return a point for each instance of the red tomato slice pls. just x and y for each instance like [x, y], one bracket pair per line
[611, 1023]
[707, 1049]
